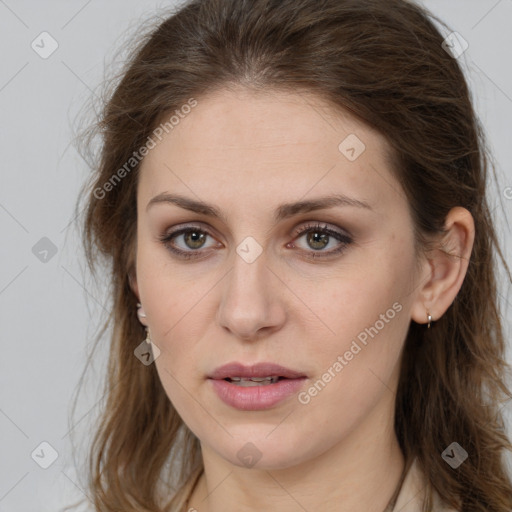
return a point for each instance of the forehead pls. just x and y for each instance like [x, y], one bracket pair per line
[253, 120]
[274, 142]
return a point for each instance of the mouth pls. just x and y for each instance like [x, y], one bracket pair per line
[256, 374]
[256, 387]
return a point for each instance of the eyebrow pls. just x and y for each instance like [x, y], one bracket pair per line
[282, 212]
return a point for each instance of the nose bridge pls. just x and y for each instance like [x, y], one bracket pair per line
[249, 299]
[250, 269]
[248, 282]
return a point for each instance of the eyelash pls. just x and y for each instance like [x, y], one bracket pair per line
[344, 240]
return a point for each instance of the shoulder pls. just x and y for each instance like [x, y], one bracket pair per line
[413, 490]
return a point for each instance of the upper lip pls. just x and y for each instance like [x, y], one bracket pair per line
[255, 370]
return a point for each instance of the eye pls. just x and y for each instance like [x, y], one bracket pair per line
[318, 238]
[186, 241]
[191, 241]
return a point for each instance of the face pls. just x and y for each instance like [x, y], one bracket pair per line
[302, 256]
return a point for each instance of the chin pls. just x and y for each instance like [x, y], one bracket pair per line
[265, 452]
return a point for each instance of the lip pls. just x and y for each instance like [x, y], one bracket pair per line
[255, 398]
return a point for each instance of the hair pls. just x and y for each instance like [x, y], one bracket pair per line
[385, 63]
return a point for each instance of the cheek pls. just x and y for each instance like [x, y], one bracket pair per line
[355, 297]
[363, 314]
[172, 302]
[169, 292]
[357, 365]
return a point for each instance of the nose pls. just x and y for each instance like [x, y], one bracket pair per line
[252, 304]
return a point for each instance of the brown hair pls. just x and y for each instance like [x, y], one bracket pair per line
[384, 61]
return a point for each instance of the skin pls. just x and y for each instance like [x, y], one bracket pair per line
[248, 153]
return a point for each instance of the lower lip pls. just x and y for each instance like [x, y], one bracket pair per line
[256, 398]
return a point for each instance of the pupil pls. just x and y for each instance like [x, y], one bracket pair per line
[196, 238]
[318, 240]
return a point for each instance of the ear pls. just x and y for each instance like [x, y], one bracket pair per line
[445, 267]
[132, 279]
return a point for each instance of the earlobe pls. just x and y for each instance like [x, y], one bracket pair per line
[448, 267]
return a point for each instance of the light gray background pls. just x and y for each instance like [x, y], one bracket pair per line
[49, 310]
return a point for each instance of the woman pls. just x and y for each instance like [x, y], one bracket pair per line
[291, 201]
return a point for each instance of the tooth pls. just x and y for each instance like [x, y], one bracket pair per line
[248, 383]
[255, 381]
